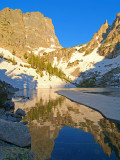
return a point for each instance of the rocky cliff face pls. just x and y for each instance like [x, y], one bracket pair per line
[111, 46]
[19, 31]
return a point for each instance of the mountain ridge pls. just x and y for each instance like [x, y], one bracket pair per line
[87, 65]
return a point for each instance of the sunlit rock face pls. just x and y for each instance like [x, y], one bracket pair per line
[21, 30]
[111, 46]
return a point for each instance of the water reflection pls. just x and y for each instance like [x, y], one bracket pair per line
[88, 134]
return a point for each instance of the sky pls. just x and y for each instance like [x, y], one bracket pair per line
[75, 21]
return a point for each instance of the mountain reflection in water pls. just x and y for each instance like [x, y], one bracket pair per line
[62, 129]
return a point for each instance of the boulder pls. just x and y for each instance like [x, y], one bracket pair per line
[20, 112]
[15, 133]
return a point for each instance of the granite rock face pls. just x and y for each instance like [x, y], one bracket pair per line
[21, 30]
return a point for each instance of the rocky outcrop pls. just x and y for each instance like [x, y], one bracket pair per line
[98, 38]
[15, 133]
[6, 93]
[102, 33]
[20, 31]
[111, 46]
[109, 38]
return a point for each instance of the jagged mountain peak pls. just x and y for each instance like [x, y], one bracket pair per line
[107, 39]
[118, 15]
[97, 39]
[106, 22]
[102, 32]
[111, 46]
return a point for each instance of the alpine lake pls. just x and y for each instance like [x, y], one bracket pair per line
[64, 130]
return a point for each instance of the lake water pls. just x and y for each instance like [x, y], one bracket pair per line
[64, 130]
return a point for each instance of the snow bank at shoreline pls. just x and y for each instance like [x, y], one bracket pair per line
[108, 106]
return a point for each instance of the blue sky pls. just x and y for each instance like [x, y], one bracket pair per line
[75, 21]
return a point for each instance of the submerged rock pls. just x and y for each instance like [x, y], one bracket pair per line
[15, 133]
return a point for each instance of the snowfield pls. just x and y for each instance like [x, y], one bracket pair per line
[41, 50]
[24, 77]
[90, 63]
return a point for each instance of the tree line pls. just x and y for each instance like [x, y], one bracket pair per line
[43, 64]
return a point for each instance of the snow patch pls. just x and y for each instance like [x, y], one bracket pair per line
[42, 50]
[23, 77]
[78, 47]
[97, 37]
[52, 40]
[55, 62]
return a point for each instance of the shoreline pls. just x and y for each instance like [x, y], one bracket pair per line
[107, 106]
[11, 125]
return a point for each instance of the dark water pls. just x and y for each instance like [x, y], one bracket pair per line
[64, 130]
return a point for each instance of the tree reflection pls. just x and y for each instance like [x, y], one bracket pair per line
[47, 118]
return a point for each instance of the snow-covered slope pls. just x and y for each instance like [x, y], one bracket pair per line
[21, 76]
[79, 68]
[87, 66]
[41, 50]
